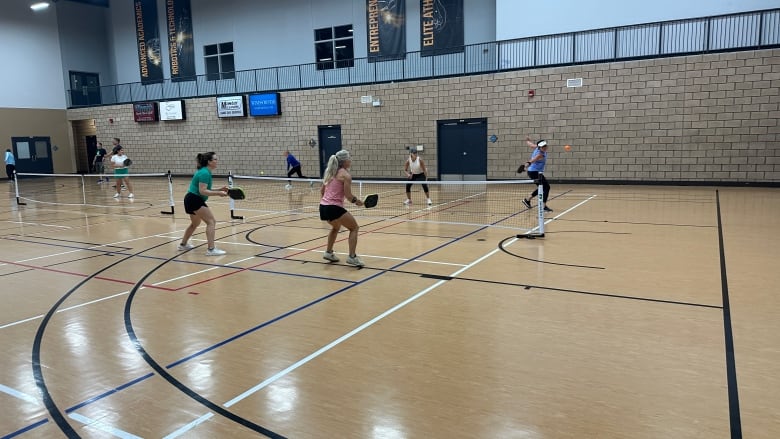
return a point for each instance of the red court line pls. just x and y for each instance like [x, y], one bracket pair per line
[71, 273]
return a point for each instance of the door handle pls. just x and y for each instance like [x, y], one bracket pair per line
[465, 153]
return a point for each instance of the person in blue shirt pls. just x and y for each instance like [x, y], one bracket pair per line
[10, 164]
[293, 167]
[535, 168]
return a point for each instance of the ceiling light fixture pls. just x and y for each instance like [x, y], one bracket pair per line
[40, 6]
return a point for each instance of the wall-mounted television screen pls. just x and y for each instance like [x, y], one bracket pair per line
[145, 111]
[266, 104]
[231, 106]
[172, 110]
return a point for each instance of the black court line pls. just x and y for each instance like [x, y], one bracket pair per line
[636, 223]
[170, 378]
[509, 284]
[37, 367]
[501, 246]
[735, 420]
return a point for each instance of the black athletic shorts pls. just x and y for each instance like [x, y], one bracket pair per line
[193, 202]
[331, 212]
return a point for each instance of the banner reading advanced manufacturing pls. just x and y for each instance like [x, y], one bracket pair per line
[147, 33]
[441, 27]
[178, 17]
[386, 21]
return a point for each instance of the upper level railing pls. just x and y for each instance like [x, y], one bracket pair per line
[744, 31]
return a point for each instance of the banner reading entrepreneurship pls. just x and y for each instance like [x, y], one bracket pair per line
[441, 27]
[147, 32]
[386, 20]
[181, 48]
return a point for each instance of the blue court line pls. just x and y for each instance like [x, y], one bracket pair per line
[26, 429]
[269, 322]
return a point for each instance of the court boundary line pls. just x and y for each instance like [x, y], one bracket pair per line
[735, 420]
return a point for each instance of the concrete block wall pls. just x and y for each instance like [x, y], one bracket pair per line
[703, 118]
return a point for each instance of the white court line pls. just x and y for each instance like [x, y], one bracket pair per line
[357, 330]
[17, 394]
[91, 302]
[25, 223]
[102, 426]
[190, 426]
[365, 325]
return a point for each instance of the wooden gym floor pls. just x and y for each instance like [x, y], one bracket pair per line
[645, 312]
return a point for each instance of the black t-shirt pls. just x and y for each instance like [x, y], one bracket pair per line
[99, 155]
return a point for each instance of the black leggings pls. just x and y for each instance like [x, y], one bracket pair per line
[295, 170]
[533, 175]
[416, 177]
[9, 169]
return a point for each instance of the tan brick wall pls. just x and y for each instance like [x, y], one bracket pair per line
[698, 118]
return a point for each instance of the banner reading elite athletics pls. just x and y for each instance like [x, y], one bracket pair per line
[180, 44]
[147, 33]
[441, 27]
[386, 21]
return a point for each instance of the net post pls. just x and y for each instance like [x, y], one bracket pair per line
[232, 202]
[83, 190]
[170, 195]
[540, 206]
[16, 188]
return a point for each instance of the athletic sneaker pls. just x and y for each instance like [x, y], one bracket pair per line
[183, 247]
[330, 257]
[355, 260]
[131, 196]
[527, 203]
[215, 252]
[547, 209]
[430, 203]
[116, 195]
[407, 202]
[311, 183]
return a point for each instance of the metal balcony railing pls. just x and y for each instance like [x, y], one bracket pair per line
[733, 32]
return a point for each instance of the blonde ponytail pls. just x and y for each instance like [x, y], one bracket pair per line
[331, 170]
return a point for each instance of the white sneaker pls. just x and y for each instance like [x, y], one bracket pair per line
[288, 187]
[311, 183]
[184, 247]
[430, 203]
[131, 196]
[215, 252]
[407, 202]
[330, 257]
[116, 195]
[355, 260]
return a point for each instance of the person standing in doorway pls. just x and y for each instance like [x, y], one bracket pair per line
[98, 163]
[10, 165]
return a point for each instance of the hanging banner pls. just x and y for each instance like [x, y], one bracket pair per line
[147, 32]
[386, 21]
[180, 44]
[441, 27]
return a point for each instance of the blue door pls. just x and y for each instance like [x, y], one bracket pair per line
[462, 153]
[330, 143]
[33, 155]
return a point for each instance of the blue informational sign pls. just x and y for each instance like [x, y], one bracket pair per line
[266, 104]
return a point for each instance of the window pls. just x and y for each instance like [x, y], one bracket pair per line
[333, 47]
[219, 61]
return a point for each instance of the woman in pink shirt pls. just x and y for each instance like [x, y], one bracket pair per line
[336, 187]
